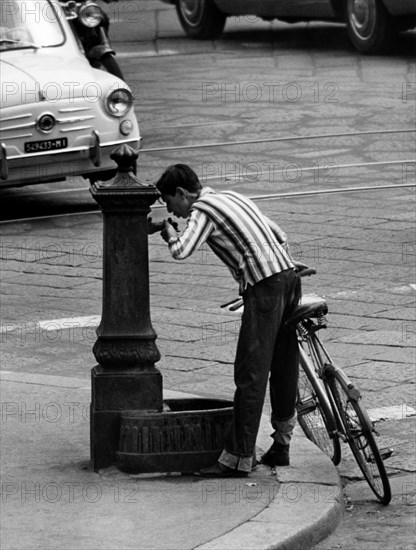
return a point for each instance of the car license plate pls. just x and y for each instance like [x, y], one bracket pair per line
[46, 145]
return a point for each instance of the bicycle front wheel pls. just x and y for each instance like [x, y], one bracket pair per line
[313, 409]
[359, 433]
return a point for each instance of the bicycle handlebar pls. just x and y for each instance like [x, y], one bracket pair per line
[303, 270]
[307, 272]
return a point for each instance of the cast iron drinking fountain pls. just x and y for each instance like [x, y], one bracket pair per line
[132, 426]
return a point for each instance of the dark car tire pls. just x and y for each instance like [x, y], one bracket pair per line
[110, 65]
[200, 19]
[371, 28]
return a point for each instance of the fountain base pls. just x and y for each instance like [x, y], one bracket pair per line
[184, 437]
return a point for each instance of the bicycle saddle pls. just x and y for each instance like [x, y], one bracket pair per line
[310, 305]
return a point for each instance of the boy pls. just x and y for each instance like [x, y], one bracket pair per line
[254, 249]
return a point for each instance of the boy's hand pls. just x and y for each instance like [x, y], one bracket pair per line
[160, 226]
[152, 227]
[168, 232]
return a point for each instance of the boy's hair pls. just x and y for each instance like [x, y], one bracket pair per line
[178, 175]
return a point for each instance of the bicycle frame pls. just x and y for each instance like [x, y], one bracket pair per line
[350, 418]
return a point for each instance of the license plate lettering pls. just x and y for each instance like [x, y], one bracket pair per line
[45, 145]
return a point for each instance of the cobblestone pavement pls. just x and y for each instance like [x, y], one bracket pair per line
[369, 527]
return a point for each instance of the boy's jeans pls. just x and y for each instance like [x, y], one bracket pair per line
[265, 346]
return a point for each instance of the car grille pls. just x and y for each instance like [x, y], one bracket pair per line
[68, 119]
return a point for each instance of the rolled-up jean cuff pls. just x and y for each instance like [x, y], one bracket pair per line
[241, 463]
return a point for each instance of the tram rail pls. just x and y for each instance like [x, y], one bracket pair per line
[247, 174]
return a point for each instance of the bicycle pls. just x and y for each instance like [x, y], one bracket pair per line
[329, 405]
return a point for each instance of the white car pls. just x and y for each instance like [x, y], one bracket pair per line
[59, 116]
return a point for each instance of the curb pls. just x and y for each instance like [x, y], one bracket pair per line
[309, 499]
[141, 20]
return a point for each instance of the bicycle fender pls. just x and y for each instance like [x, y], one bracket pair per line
[98, 51]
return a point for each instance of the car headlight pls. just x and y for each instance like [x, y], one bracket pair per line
[119, 102]
[90, 15]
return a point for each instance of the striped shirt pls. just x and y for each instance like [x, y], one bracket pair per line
[247, 242]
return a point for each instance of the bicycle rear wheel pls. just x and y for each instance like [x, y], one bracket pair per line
[359, 433]
[314, 414]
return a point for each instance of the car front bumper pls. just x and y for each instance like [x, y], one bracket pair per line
[47, 166]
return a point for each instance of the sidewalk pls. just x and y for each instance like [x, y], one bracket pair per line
[51, 499]
[151, 27]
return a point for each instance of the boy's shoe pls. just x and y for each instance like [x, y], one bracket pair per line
[277, 455]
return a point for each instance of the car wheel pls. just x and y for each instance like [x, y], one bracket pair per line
[370, 28]
[200, 18]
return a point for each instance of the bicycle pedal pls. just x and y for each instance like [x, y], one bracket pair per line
[386, 453]
[306, 407]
